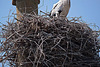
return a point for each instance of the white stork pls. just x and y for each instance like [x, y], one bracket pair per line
[60, 9]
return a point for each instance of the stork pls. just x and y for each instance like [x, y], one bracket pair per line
[60, 9]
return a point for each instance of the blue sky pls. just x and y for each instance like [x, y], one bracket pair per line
[88, 9]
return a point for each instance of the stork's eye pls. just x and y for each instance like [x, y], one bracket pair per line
[54, 14]
[60, 11]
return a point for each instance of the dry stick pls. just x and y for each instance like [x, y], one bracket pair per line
[62, 48]
[41, 51]
[2, 59]
[9, 37]
[45, 13]
[57, 43]
[12, 36]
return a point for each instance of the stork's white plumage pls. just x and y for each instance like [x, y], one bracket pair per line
[61, 8]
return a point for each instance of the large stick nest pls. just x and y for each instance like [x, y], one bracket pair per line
[49, 42]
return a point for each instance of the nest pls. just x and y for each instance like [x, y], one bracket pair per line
[49, 42]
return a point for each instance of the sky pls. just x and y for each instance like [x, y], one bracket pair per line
[88, 9]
